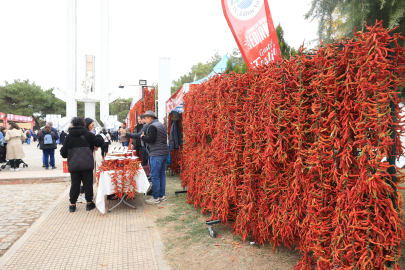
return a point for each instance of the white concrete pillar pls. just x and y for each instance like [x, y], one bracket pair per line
[71, 103]
[104, 74]
[164, 86]
[90, 110]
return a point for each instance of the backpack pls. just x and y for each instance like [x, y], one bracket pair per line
[28, 135]
[48, 139]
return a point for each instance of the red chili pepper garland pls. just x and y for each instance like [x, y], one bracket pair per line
[123, 177]
[146, 104]
[293, 152]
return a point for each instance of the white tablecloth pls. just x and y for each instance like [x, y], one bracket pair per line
[105, 187]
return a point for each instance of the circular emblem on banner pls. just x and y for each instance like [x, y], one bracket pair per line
[244, 9]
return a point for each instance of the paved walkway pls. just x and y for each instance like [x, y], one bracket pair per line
[121, 239]
[21, 205]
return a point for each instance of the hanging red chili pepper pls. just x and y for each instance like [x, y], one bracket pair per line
[295, 152]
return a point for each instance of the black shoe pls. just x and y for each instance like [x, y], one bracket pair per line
[46, 168]
[72, 208]
[43, 166]
[53, 168]
[90, 206]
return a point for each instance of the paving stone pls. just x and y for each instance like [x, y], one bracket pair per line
[19, 213]
[83, 240]
[89, 240]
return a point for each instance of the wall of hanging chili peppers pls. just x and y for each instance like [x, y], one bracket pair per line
[175, 153]
[294, 152]
[146, 104]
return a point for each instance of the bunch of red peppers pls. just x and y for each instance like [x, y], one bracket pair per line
[122, 177]
[143, 105]
[295, 152]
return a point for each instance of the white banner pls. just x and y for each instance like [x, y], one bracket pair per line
[55, 119]
[110, 122]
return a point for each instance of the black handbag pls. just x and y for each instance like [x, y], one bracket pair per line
[80, 158]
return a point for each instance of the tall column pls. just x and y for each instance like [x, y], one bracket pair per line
[164, 86]
[90, 110]
[71, 104]
[104, 74]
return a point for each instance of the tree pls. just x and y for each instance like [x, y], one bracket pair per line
[28, 99]
[340, 18]
[120, 107]
[236, 57]
[198, 71]
[286, 50]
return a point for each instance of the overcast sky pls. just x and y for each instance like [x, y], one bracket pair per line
[33, 34]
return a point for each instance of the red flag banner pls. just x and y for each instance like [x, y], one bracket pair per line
[175, 100]
[252, 26]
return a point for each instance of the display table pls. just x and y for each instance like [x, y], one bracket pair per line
[106, 187]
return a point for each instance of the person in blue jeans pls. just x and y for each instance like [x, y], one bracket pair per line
[29, 135]
[47, 143]
[156, 139]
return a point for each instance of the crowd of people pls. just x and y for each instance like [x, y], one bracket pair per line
[79, 145]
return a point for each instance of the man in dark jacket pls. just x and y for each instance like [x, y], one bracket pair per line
[76, 142]
[156, 139]
[62, 137]
[145, 156]
[137, 141]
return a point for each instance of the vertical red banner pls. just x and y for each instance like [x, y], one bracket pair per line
[253, 29]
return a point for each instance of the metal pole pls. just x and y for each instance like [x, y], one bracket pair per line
[391, 159]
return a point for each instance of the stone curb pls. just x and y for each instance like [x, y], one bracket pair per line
[13, 181]
[31, 230]
[157, 243]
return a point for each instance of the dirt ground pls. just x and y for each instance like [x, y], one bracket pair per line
[187, 244]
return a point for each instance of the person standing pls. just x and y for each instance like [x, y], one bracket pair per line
[156, 139]
[3, 145]
[28, 134]
[14, 152]
[145, 156]
[57, 137]
[137, 142]
[47, 143]
[124, 140]
[62, 137]
[107, 141]
[78, 149]
[34, 135]
[89, 125]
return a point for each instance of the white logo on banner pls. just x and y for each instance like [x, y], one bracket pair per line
[244, 9]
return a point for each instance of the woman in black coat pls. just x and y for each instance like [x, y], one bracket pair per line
[62, 137]
[78, 148]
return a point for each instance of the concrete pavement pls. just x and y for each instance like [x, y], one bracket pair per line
[49, 237]
[121, 239]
